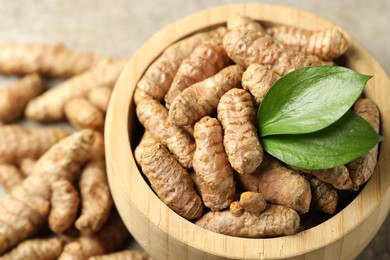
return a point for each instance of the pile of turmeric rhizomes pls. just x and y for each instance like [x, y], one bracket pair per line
[201, 153]
[58, 203]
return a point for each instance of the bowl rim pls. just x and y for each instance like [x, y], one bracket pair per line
[121, 163]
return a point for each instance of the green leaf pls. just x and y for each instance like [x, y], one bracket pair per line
[347, 139]
[309, 99]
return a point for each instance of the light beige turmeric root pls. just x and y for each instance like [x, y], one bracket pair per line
[202, 98]
[25, 209]
[146, 140]
[111, 237]
[159, 75]
[252, 202]
[241, 21]
[206, 60]
[75, 150]
[338, 176]
[50, 105]
[361, 169]
[154, 117]
[27, 166]
[328, 43]
[168, 179]
[22, 214]
[279, 185]
[96, 201]
[15, 232]
[48, 59]
[211, 165]
[258, 79]
[140, 95]
[64, 205]
[36, 249]
[124, 255]
[10, 176]
[100, 97]
[82, 114]
[18, 142]
[274, 221]
[14, 99]
[246, 47]
[237, 116]
[324, 196]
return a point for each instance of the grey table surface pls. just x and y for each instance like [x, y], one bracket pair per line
[120, 27]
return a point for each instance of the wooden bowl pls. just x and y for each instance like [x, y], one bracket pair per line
[166, 235]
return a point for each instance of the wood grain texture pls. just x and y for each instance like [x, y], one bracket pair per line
[166, 235]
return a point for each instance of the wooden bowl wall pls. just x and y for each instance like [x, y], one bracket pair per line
[166, 235]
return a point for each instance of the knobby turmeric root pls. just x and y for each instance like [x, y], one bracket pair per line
[258, 79]
[64, 206]
[96, 201]
[246, 47]
[240, 21]
[236, 209]
[111, 237]
[123, 255]
[237, 116]
[82, 114]
[211, 165]
[50, 105]
[26, 208]
[10, 176]
[140, 95]
[154, 117]
[64, 159]
[36, 249]
[202, 98]
[252, 202]
[18, 142]
[328, 43]
[206, 60]
[274, 221]
[14, 99]
[27, 166]
[100, 97]
[146, 140]
[48, 59]
[324, 196]
[362, 168]
[279, 185]
[160, 74]
[168, 179]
